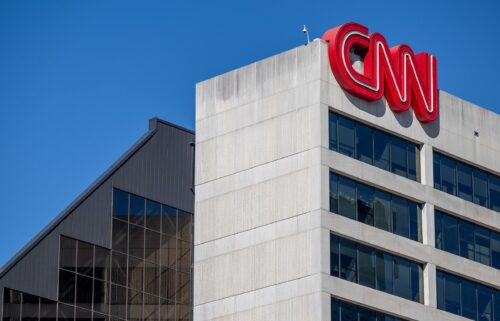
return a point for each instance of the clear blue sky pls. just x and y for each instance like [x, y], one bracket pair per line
[80, 79]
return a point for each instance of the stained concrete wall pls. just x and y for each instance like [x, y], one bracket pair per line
[262, 197]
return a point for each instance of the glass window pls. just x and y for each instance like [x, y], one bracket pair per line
[415, 222]
[495, 252]
[83, 315]
[101, 292]
[119, 268]
[184, 225]
[466, 239]
[342, 311]
[347, 198]
[464, 179]
[84, 292]
[494, 183]
[120, 204]
[365, 204]
[66, 287]
[438, 229]
[334, 256]
[335, 310]
[382, 145]
[168, 251]
[469, 302]
[152, 279]
[152, 248]
[12, 305]
[136, 241]
[67, 258]
[151, 308]
[120, 236]
[100, 317]
[348, 258]
[135, 273]
[401, 216]
[48, 310]
[85, 258]
[385, 272]
[480, 187]
[332, 120]
[402, 278]
[450, 234]
[440, 280]
[398, 156]
[65, 312]
[102, 263]
[367, 315]
[496, 305]
[168, 285]
[416, 283]
[183, 256]
[482, 240]
[346, 136]
[30, 307]
[437, 170]
[184, 293]
[137, 209]
[334, 196]
[118, 297]
[153, 215]
[412, 160]
[484, 303]
[135, 305]
[169, 220]
[448, 176]
[366, 266]
[364, 143]
[382, 209]
[349, 312]
[452, 294]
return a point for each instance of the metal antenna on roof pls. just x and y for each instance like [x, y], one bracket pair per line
[304, 30]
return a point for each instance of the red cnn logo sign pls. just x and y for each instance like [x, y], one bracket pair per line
[405, 78]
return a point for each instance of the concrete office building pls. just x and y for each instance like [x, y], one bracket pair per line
[122, 249]
[312, 204]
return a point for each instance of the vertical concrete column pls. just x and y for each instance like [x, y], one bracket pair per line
[428, 229]
[426, 166]
[430, 285]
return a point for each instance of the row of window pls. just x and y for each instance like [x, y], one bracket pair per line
[469, 183]
[379, 270]
[466, 298]
[467, 240]
[344, 311]
[374, 207]
[154, 216]
[373, 146]
[23, 306]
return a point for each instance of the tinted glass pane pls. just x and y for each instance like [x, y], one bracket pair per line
[349, 312]
[152, 249]
[448, 173]
[183, 256]
[134, 305]
[452, 294]
[66, 312]
[382, 145]
[118, 299]
[495, 252]
[101, 296]
[152, 279]
[334, 197]
[66, 287]
[153, 215]
[469, 302]
[365, 204]
[137, 209]
[464, 179]
[168, 285]
[83, 315]
[402, 278]
[482, 240]
[494, 183]
[84, 292]
[438, 226]
[364, 143]
[136, 241]
[437, 170]
[335, 310]
[119, 268]
[466, 240]
[120, 204]
[169, 220]
[184, 288]
[401, 216]
[496, 305]
[385, 274]
[48, 310]
[347, 197]
[480, 187]
[135, 273]
[484, 303]
[334, 256]
[67, 259]
[332, 130]
[85, 258]
[30, 307]
[151, 308]
[167, 310]
[120, 236]
[366, 259]
[100, 317]
[398, 156]
[346, 137]
[348, 264]
[12, 305]
[184, 225]
[382, 207]
[440, 284]
[367, 315]
[102, 263]
[412, 161]
[168, 251]
[414, 221]
[450, 234]
[416, 283]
